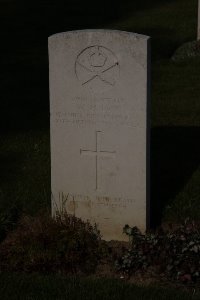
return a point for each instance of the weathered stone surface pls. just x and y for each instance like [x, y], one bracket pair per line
[99, 130]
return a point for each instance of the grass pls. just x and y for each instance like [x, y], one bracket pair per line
[176, 94]
[25, 165]
[34, 286]
[186, 204]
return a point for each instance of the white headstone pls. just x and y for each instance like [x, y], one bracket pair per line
[99, 131]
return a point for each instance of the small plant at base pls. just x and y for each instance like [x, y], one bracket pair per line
[43, 244]
[174, 253]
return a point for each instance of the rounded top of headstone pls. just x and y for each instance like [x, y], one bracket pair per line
[133, 35]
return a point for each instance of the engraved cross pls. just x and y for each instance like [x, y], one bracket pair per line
[97, 153]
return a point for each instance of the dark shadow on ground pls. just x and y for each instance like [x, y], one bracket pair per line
[175, 155]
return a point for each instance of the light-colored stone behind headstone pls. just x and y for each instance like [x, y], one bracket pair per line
[99, 131]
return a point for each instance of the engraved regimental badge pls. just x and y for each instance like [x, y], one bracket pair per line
[97, 67]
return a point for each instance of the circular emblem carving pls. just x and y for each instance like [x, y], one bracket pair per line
[97, 67]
